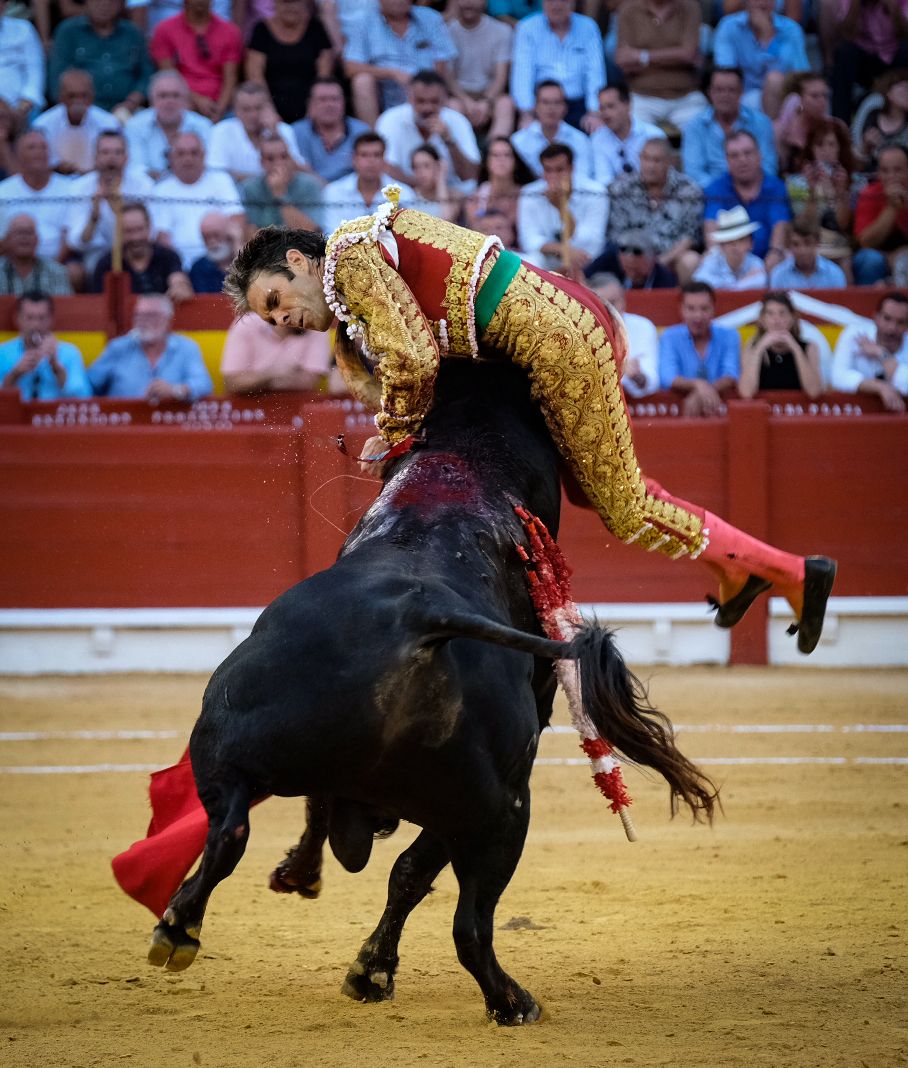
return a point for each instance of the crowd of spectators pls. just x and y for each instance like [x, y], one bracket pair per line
[740, 144]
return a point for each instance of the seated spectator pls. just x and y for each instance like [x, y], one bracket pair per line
[804, 268]
[325, 137]
[880, 218]
[8, 166]
[864, 39]
[663, 202]
[188, 193]
[821, 190]
[777, 356]
[40, 193]
[235, 144]
[205, 49]
[703, 144]
[222, 243]
[101, 193]
[697, 357]
[640, 370]
[632, 259]
[762, 195]
[259, 357]
[22, 270]
[492, 209]
[873, 357]
[72, 126]
[616, 144]
[433, 196]
[561, 220]
[427, 120]
[113, 52]
[21, 67]
[806, 105]
[660, 58]
[549, 128]
[148, 14]
[150, 361]
[152, 267]
[359, 193]
[559, 46]
[479, 71]
[282, 195]
[151, 133]
[35, 362]
[286, 53]
[887, 125]
[730, 262]
[766, 47]
[390, 44]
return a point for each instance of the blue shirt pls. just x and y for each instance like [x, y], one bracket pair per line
[328, 165]
[735, 45]
[679, 358]
[41, 384]
[577, 63]
[703, 145]
[771, 206]
[123, 369]
[826, 275]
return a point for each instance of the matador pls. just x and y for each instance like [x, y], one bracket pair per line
[412, 289]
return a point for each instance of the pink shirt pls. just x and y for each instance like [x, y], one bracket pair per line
[252, 345]
[876, 33]
[199, 57]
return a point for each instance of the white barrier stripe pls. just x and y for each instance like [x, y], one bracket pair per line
[74, 769]
[774, 728]
[40, 736]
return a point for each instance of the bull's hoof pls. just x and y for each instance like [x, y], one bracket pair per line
[172, 947]
[522, 1009]
[374, 984]
[283, 881]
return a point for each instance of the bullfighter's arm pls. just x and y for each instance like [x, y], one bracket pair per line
[357, 379]
[397, 334]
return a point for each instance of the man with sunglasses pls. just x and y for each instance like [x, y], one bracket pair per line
[207, 50]
[632, 259]
[617, 144]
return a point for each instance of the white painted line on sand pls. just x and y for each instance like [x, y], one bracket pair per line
[102, 736]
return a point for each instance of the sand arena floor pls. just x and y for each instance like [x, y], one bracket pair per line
[775, 938]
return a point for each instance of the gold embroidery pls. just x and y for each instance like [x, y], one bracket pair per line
[396, 332]
[577, 383]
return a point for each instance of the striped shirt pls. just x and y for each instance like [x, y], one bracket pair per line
[577, 62]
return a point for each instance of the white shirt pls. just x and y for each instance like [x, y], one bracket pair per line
[398, 127]
[22, 62]
[610, 153]
[74, 144]
[539, 221]
[643, 345]
[148, 144]
[178, 209]
[50, 207]
[136, 185]
[530, 141]
[342, 200]
[229, 148]
[850, 366]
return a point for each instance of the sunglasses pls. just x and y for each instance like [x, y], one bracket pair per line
[632, 250]
[202, 47]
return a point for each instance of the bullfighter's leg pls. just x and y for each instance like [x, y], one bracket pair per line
[371, 976]
[300, 872]
[484, 866]
[572, 349]
[175, 941]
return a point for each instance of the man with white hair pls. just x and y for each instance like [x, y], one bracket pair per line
[221, 244]
[181, 200]
[640, 371]
[236, 143]
[72, 126]
[150, 361]
[151, 133]
[22, 270]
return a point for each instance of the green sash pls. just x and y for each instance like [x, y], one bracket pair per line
[493, 289]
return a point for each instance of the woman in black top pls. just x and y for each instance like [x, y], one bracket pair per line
[777, 357]
[287, 53]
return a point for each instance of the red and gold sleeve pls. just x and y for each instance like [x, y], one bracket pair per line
[397, 334]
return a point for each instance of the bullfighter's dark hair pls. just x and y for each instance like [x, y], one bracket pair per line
[266, 253]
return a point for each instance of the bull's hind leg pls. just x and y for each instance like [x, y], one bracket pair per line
[300, 872]
[484, 867]
[175, 941]
[371, 976]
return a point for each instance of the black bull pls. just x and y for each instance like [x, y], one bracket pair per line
[410, 681]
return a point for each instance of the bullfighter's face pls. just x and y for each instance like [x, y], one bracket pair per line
[295, 300]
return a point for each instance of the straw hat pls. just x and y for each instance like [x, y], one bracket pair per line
[733, 224]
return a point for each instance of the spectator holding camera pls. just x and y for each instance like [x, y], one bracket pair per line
[35, 362]
[881, 219]
[777, 357]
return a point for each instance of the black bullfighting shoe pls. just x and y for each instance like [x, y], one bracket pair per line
[819, 575]
[728, 614]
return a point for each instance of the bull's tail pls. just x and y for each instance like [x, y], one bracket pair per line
[614, 699]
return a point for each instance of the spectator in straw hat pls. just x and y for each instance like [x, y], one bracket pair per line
[730, 263]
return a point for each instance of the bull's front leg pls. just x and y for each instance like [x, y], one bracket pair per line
[300, 872]
[371, 976]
